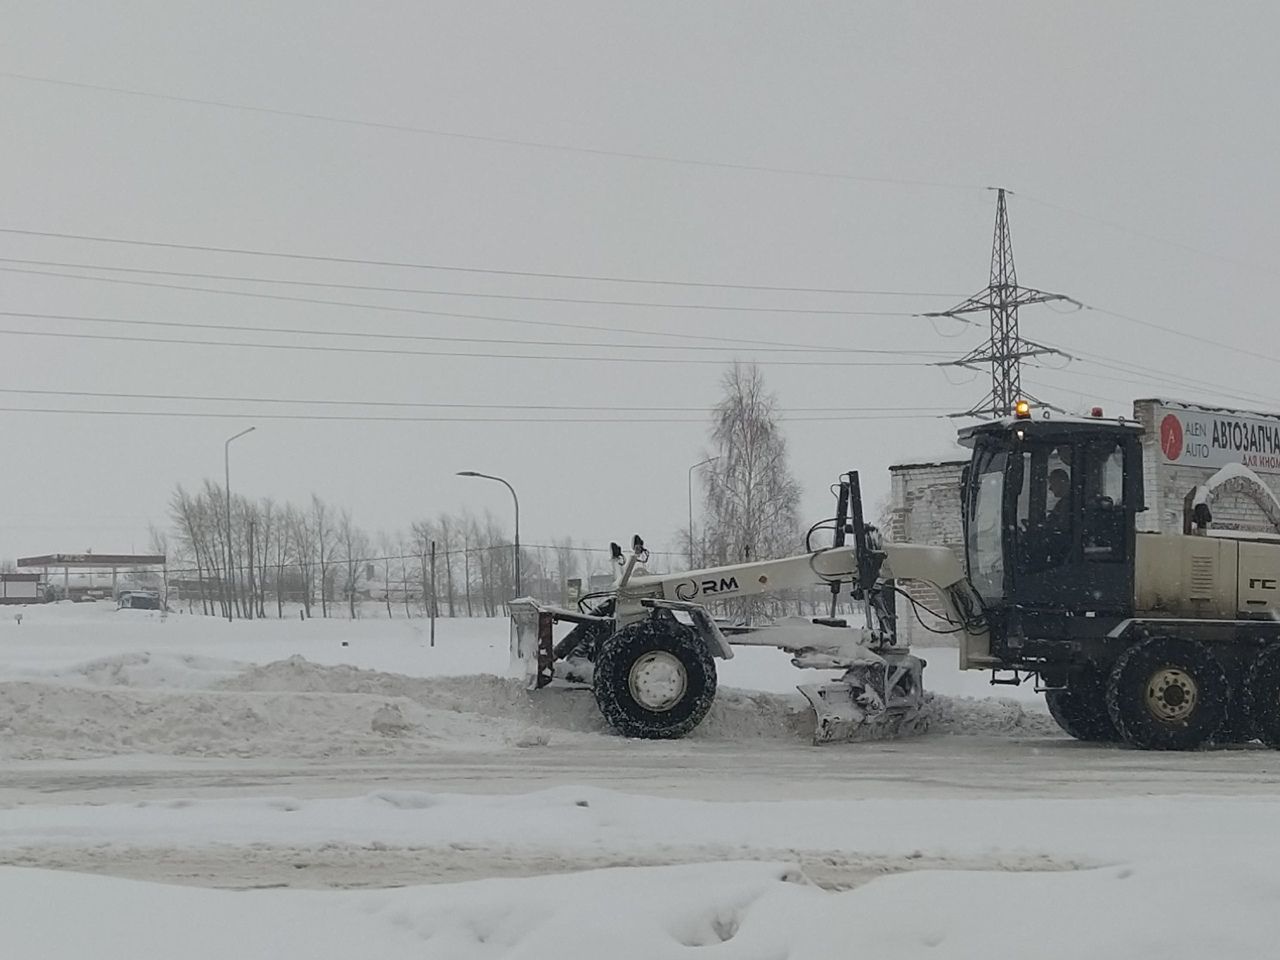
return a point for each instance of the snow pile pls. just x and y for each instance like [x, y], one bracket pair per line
[988, 716]
[738, 911]
[42, 721]
[189, 706]
[735, 714]
[145, 669]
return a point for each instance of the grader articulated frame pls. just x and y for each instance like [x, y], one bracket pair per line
[647, 647]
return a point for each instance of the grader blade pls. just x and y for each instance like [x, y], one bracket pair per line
[840, 710]
[872, 698]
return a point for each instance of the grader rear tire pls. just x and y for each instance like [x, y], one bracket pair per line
[1168, 694]
[654, 680]
[1081, 708]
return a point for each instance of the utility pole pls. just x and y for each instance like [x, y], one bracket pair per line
[253, 597]
[486, 476]
[1005, 349]
[432, 607]
[700, 463]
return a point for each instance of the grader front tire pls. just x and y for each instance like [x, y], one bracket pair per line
[654, 680]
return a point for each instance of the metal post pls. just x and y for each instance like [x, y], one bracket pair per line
[253, 600]
[691, 469]
[485, 476]
[229, 588]
[432, 607]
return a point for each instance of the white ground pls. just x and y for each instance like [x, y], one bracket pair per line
[170, 756]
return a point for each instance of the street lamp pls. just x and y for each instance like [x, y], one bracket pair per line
[691, 469]
[226, 466]
[485, 476]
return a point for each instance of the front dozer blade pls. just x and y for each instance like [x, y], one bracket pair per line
[532, 654]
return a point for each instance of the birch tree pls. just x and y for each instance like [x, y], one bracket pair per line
[751, 497]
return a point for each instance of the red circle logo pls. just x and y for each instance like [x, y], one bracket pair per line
[1171, 437]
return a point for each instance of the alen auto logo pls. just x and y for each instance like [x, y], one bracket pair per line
[1171, 437]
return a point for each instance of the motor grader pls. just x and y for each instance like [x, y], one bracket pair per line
[1163, 641]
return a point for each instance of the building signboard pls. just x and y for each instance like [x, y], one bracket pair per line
[1209, 438]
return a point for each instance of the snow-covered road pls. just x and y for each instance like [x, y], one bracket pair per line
[337, 755]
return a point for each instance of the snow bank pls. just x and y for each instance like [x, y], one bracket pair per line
[737, 911]
[195, 706]
[84, 680]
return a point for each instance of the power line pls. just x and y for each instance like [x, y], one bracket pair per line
[442, 338]
[432, 404]
[379, 288]
[373, 418]
[449, 353]
[1112, 224]
[417, 311]
[321, 258]
[1180, 333]
[1130, 375]
[1174, 379]
[481, 138]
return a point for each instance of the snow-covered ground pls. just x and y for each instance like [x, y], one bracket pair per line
[170, 756]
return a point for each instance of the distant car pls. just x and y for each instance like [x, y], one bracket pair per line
[139, 600]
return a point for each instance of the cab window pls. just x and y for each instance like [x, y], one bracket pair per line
[984, 542]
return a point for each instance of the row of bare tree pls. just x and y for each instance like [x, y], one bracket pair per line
[257, 556]
[255, 553]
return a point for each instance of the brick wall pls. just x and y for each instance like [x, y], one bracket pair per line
[924, 507]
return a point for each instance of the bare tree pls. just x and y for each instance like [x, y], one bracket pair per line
[184, 513]
[446, 528]
[302, 533]
[751, 497]
[469, 532]
[354, 545]
[402, 549]
[386, 548]
[286, 524]
[268, 523]
[323, 534]
[566, 564]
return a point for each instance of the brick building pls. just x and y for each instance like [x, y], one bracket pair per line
[1184, 446]
[924, 507]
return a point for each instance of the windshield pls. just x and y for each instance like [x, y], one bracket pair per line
[983, 546]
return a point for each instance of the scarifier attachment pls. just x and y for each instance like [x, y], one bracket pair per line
[532, 654]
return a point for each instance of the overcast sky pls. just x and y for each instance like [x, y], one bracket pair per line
[1140, 141]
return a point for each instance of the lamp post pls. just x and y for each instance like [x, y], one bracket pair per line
[691, 469]
[516, 500]
[226, 466]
